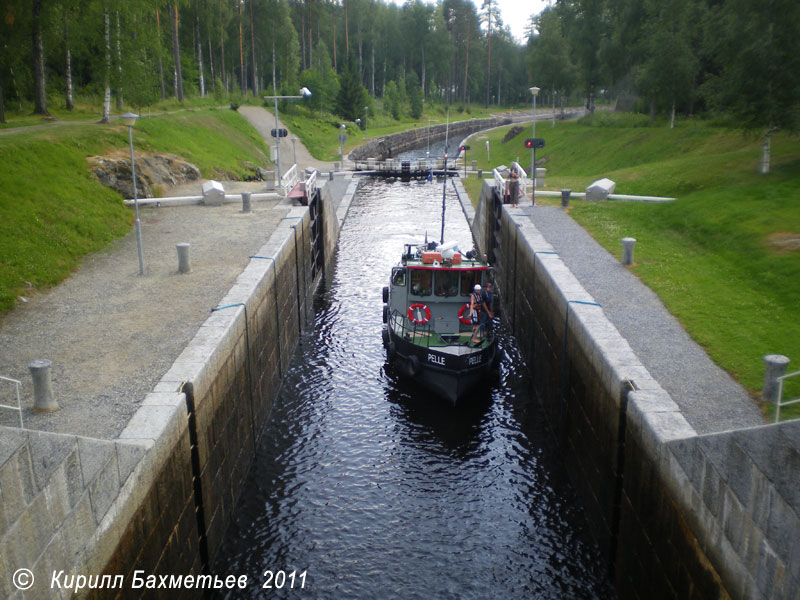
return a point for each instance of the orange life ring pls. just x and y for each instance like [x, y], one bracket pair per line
[416, 317]
[464, 314]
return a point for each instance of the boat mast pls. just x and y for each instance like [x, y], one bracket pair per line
[444, 194]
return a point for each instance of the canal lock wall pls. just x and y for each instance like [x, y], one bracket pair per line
[159, 498]
[676, 514]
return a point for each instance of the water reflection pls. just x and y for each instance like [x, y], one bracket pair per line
[379, 490]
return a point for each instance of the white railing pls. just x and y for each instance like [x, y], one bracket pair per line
[290, 179]
[781, 403]
[311, 184]
[500, 182]
[18, 407]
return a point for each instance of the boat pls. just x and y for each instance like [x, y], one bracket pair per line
[428, 328]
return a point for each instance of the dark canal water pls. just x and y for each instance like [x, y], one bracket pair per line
[377, 490]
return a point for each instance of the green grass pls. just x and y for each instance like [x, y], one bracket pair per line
[714, 256]
[52, 213]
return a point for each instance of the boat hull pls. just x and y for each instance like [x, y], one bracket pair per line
[450, 376]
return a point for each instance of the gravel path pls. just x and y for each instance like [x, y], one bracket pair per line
[709, 398]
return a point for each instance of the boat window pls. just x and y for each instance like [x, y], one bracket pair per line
[446, 283]
[468, 281]
[399, 277]
[421, 282]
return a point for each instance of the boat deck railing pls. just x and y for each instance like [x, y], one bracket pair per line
[422, 334]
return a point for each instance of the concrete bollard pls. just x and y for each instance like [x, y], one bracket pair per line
[480, 173]
[565, 194]
[43, 400]
[627, 250]
[245, 202]
[776, 367]
[183, 258]
[330, 175]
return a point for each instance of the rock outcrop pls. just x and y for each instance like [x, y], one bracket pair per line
[164, 170]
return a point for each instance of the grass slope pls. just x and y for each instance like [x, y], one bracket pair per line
[721, 256]
[52, 213]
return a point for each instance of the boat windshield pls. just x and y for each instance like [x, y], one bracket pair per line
[468, 281]
[447, 283]
[421, 282]
[399, 277]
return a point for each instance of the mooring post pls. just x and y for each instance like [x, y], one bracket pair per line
[43, 400]
[776, 367]
[565, 194]
[627, 250]
[245, 202]
[183, 258]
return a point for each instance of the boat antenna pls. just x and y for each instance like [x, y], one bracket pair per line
[444, 193]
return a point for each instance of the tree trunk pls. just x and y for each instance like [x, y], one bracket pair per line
[241, 53]
[652, 108]
[160, 59]
[40, 87]
[2, 100]
[199, 49]
[223, 71]
[67, 64]
[254, 78]
[107, 77]
[333, 22]
[211, 63]
[466, 67]
[176, 55]
[346, 33]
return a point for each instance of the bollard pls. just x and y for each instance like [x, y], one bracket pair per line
[330, 175]
[245, 202]
[627, 250]
[776, 367]
[43, 401]
[565, 194]
[183, 258]
[480, 173]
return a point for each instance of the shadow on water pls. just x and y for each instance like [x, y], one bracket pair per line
[376, 489]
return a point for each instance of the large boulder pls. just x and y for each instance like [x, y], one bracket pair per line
[164, 170]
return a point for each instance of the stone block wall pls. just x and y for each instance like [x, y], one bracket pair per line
[159, 498]
[677, 515]
[391, 145]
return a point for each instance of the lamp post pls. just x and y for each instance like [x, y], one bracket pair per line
[304, 93]
[534, 92]
[366, 114]
[294, 149]
[341, 143]
[129, 120]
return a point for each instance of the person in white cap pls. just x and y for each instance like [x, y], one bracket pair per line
[475, 301]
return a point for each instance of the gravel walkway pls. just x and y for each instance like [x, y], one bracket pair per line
[709, 398]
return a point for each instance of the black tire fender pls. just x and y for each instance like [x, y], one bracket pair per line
[386, 294]
[385, 313]
[413, 365]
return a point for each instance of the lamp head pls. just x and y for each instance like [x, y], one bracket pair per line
[129, 119]
[305, 92]
[534, 91]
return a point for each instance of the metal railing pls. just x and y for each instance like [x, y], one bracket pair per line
[18, 407]
[781, 403]
[402, 325]
[500, 182]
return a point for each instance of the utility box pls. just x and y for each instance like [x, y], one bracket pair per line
[600, 189]
[213, 193]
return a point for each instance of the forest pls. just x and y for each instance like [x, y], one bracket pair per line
[735, 58]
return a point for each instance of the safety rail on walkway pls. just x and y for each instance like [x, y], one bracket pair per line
[394, 165]
[290, 179]
[18, 407]
[500, 182]
[781, 403]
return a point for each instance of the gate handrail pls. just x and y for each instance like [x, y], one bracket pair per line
[780, 403]
[18, 407]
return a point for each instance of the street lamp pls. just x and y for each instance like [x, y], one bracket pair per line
[366, 114]
[304, 93]
[294, 149]
[534, 92]
[129, 120]
[341, 143]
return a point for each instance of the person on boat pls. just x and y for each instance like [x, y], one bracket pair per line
[475, 302]
[486, 314]
[513, 185]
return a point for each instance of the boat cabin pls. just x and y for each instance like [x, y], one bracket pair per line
[432, 287]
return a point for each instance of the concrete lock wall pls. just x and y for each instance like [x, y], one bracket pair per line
[159, 498]
[677, 514]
